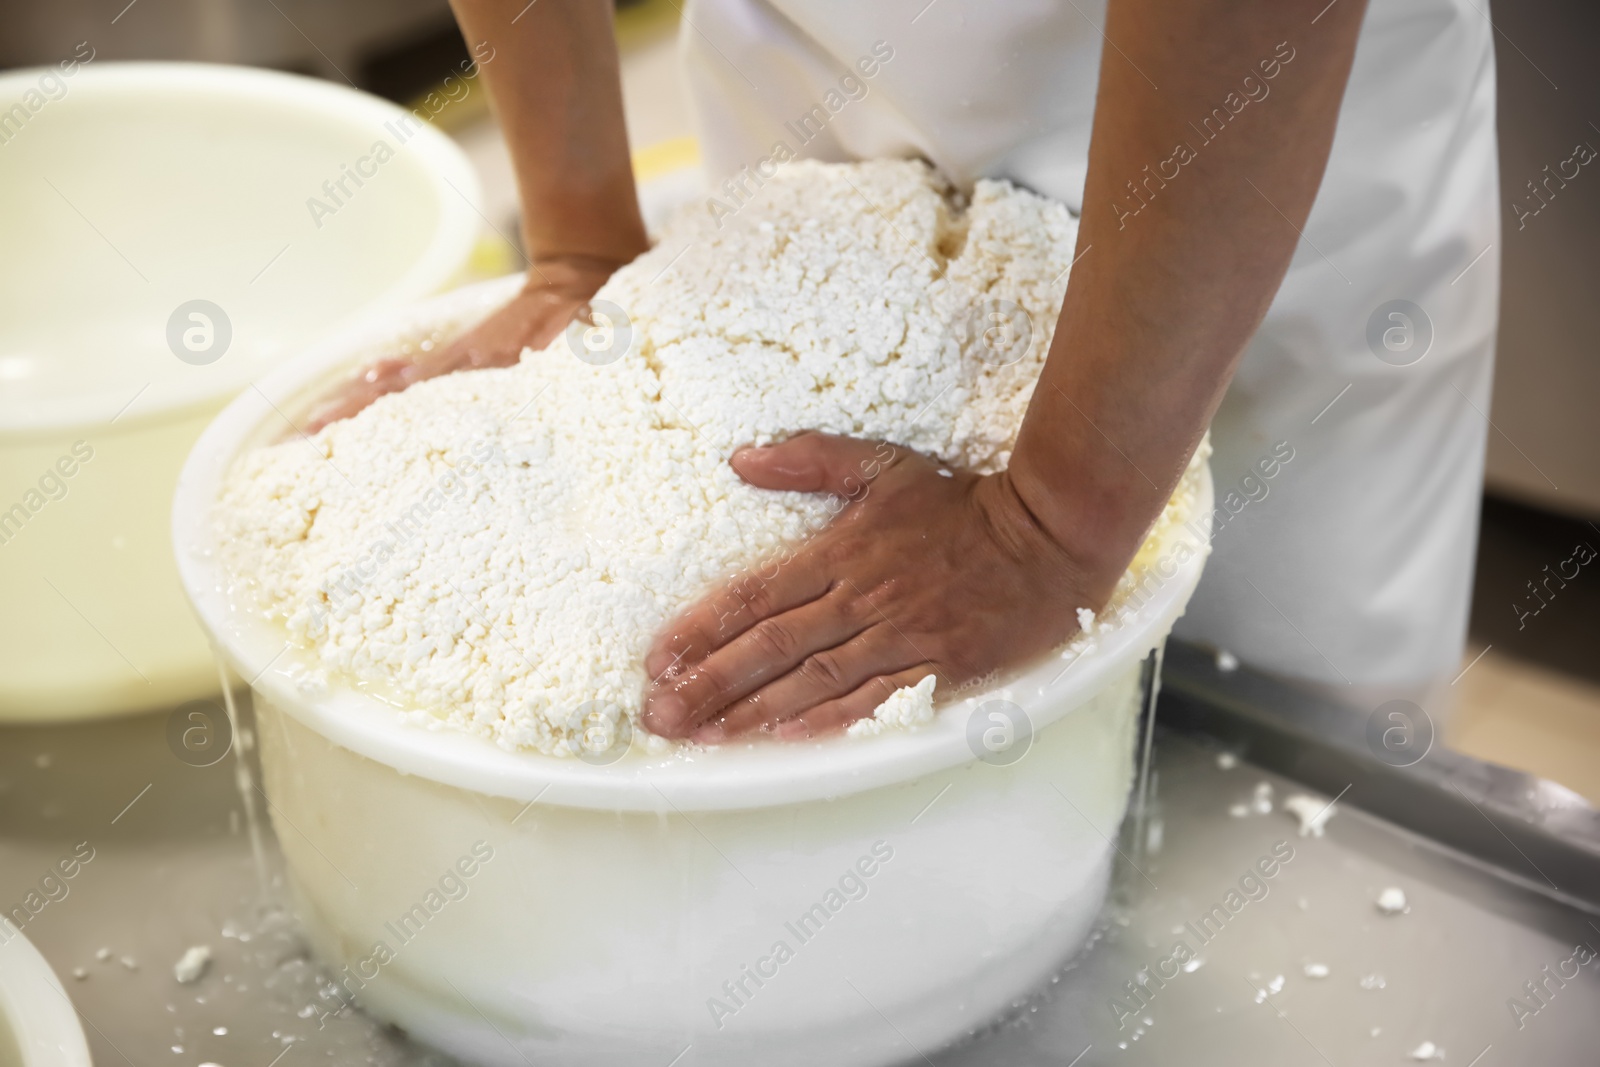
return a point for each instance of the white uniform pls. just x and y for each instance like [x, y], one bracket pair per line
[1353, 563]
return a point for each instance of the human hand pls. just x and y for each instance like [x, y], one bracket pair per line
[925, 570]
[557, 291]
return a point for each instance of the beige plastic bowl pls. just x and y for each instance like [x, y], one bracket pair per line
[133, 190]
[513, 908]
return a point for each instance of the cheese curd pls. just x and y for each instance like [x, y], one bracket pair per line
[494, 550]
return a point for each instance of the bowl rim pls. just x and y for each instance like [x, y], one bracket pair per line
[38, 1012]
[455, 186]
[690, 779]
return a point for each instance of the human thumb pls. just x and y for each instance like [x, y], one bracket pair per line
[815, 463]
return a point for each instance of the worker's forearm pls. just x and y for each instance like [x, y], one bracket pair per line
[1211, 132]
[555, 84]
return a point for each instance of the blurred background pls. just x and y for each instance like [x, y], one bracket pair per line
[1529, 692]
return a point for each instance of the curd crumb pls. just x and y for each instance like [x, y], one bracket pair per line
[192, 964]
[907, 708]
[573, 502]
[1313, 813]
[1392, 901]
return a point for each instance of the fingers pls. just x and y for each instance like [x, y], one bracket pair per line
[375, 380]
[835, 715]
[816, 463]
[532, 320]
[823, 676]
[807, 462]
[777, 586]
[770, 649]
[342, 408]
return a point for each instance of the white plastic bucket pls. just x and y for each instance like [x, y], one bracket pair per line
[510, 907]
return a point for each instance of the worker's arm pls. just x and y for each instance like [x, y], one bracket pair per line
[960, 576]
[552, 74]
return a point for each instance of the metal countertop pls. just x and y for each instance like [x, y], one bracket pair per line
[1501, 873]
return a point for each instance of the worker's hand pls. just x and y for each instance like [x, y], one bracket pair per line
[925, 570]
[557, 292]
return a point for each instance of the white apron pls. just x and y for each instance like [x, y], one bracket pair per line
[1352, 565]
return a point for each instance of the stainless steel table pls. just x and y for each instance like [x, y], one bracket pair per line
[1501, 873]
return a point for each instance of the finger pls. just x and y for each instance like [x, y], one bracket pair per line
[821, 677]
[816, 463]
[779, 585]
[770, 649]
[835, 715]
